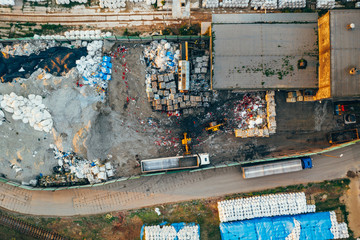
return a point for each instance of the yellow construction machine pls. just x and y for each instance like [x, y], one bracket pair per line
[186, 141]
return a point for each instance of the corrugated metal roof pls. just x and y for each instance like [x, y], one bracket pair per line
[268, 17]
[345, 53]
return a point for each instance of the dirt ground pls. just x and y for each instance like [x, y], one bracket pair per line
[352, 201]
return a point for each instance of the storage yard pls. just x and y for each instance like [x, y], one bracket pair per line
[94, 111]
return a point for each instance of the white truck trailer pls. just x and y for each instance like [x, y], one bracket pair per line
[276, 167]
[174, 163]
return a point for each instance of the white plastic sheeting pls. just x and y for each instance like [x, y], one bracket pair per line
[169, 233]
[325, 4]
[264, 4]
[264, 206]
[339, 230]
[292, 3]
[30, 110]
[7, 2]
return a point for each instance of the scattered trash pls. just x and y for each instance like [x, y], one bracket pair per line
[157, 210]
[30, 110]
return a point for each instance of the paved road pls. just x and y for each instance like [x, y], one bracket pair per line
[173, 187]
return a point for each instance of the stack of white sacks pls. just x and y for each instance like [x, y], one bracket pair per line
[68, 1]
[169, 233]
[30, 110]
[77, 34]
[234, 3]
[339, 230]
[325, 4]
[117, 4]
[89, 66]
[292, 3]
[36, 0]
[210, 3]
[7, 2]
[295, 233]
[264, 4]
[263, 206]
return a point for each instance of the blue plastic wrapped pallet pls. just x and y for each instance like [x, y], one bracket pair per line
[312, 226]
[106, 59]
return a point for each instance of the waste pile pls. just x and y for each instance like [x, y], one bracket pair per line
[292, 3]
[325, 4]
[162, 59]
[7, 2]
[54, 60]
[179, 231]
[30, 110]
[25, 48]
[95, 69]
[256, 120]
[264, 206]
[73, 169]
[339, 230]
[263, 4]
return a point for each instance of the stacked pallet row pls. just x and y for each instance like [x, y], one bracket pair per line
[325, 4]
[292, 3]
[169, 232]
[264, 4]
[271, 111]
[263, 206]
[235, 3]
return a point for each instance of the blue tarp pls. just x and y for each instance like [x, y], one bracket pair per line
[313, 226]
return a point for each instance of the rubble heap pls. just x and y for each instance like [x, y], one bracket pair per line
[30, 110]
[256, 120]
[81, 168]
[162, 89]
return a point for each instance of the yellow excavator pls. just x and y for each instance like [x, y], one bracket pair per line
[186, 141]
[215, 126]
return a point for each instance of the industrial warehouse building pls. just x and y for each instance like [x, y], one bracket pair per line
[262, 51]
[339, 54]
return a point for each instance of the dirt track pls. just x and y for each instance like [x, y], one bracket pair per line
[147, 191]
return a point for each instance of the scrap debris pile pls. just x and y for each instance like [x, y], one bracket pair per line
[30, 110]
[164, 87]
[73, 169]
[256, 116]
[95, 69]
[27, 48]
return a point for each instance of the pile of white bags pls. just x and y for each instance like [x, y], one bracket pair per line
[68, 1]
[264, 4]
[30, 110]
[7, 2]
[325, 4]
[292, 3]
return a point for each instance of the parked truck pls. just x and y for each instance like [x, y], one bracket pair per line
[276, 167]
[174, 163]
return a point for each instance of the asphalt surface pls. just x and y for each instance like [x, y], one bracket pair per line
[147, 191]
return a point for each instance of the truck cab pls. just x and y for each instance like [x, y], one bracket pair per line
[306, 162]
[204, 159]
